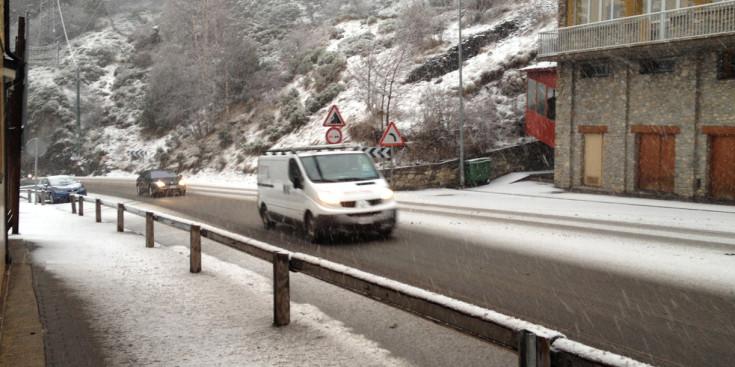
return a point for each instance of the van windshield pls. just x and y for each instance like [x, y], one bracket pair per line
[339, 168]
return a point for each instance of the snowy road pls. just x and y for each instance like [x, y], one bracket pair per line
[665, 280]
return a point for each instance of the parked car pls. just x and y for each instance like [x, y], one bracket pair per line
[59, 188]
[156, 182]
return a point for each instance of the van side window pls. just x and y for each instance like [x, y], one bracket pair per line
[294, 173]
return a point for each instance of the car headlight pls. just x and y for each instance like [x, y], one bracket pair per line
[182, 182]
[160, 183]
[386, 194]
[328, 198]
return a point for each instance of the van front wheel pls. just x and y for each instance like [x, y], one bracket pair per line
[312, 232]
[267, 222]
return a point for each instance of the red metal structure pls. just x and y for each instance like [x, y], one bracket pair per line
[541, 105]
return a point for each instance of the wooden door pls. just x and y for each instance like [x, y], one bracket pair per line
[656, 161]
[592, 160]
[722, 166]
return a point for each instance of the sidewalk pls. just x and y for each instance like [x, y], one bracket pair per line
[21, 338]
[513, 194]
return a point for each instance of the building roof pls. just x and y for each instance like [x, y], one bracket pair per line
[544, 65]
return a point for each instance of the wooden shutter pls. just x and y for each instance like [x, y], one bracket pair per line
[656, 161]
[592, 160]
[722, 166]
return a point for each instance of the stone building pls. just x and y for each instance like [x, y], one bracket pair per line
[646, 97]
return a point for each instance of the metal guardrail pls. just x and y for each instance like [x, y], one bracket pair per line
[535, 345]
[679, 24]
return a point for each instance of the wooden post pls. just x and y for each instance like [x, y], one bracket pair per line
[148, 229]
[533, 350]
[43, 197]
[29, 195]
[98, 210]
[73, 201]
[195, 256]
[81, 206]
[281, 292]
[120, 217]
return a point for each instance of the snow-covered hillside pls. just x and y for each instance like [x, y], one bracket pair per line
[114, 86]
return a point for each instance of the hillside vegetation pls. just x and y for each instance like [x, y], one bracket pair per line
[203, 86]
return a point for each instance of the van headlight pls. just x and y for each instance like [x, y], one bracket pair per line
[160, 183]
[182, 182]
[328, 198]
[386, 194]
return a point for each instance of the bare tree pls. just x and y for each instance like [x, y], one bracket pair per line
[378, 76]
[204, 66]
[417, 25]
[394, 66]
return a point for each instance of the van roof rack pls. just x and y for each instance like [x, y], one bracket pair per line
[317, 148]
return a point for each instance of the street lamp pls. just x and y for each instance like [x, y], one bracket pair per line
[461, 100]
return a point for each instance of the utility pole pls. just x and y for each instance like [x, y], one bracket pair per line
[461, 101]
[79, 124]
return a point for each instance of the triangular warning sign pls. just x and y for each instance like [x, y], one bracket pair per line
[334, 119]
[391, 137]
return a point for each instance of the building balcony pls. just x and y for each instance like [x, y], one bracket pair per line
[717, 19]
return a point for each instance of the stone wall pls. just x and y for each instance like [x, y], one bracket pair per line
[533, 156]
[687, 98]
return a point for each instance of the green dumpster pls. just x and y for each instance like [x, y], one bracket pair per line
[477, 171]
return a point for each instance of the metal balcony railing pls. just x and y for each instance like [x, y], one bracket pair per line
[680, 24]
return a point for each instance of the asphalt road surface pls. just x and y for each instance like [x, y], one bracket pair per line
[652, 322]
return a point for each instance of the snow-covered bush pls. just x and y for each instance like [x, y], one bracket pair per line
[331, 65]
[357, 45]
[324, 97]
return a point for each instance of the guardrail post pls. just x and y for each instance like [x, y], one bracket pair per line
[81, 206]
[281, 291]
[533, 350]
[195, 256]
[98, 210]
[120, 217]
[73, 201]
[149, 229]
[43, 197]
[29, 195]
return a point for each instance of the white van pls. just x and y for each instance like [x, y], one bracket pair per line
[325, 189]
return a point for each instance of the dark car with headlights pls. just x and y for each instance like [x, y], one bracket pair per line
[157, 182]
[58, 188]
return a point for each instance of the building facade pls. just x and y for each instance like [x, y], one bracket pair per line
[646, 97]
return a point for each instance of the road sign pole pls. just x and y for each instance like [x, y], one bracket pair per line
[35, 166]
[391, 167]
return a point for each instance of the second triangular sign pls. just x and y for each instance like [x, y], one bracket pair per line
[391, 137]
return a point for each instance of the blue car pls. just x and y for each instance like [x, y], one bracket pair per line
[58, 188]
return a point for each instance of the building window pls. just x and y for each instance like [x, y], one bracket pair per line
[657, 66]
[592, 11]
[532, 85]
[551, 104]
[541, 99]
[594, 71]
[726, 65]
